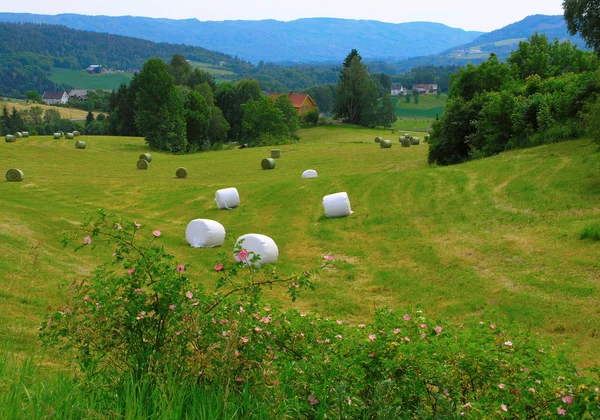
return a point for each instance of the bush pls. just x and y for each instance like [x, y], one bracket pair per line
[591, 232]
[141, 318]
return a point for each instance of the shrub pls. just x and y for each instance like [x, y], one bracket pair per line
[591, 232]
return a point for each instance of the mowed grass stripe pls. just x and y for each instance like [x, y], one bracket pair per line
[495, 239]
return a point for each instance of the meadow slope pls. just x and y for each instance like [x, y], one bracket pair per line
[495, 239]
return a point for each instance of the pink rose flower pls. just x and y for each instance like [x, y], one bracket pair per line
[568, 399]
[361, 325]
[329, 258]
[131, 270]
[501, 386]
[219, 267]
[156, 233]
[561, 411]
[372, 337]
[243, 255]
[137, 225]
[508, 343]
[423, 325]
[189, 295]
[438, 329]
[503, 407]
[172, 307]
[180, 268]
[406, 317]
[87, 240]
[397, 331]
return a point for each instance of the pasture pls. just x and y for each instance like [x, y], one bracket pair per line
[79, 79]
[495, 240]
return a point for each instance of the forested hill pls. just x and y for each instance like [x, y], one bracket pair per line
[61, 46]
[302, 40]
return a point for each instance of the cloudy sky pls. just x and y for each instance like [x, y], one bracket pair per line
[480, 15]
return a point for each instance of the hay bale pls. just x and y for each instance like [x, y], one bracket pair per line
[76, 133]
[378, 139]
[18, 135]
[275, 153]
[57, 136]
[406, 142]
[143, 164]
[415, 141]
[309, 173]
[10, 138]
[257, 244]
[268, 163]
[69, 136]
[227, 198]
[146, 156]
[15, 175]
[385, 144]
[181, 173]
[406, 135]
[80, 144]
[337, 205]
[25, 134]
[62, 133]
[204, 233]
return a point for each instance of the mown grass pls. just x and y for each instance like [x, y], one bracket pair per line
[20, 105]
[495, 239]
[80, 79]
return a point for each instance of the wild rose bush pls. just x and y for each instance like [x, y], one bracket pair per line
[140, 314]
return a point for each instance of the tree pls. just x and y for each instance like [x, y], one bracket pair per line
[290, 115]
[311, 117]
[583, 17]
[356, 94]
[415, 94]
[262, 120]
[180, 69]
[160, 116]
[197, 120]
[385, 114]
[89, 118]
[33, 96]
[230, 98]
[17, 123]
[122, 110]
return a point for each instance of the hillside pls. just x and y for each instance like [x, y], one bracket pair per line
[303, 40]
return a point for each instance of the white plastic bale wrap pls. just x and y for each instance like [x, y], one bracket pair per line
[309, 173]
[227, 198]
[337, 205]
[257, 244]
[204, 233]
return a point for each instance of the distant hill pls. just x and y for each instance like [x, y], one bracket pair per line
[299, 41]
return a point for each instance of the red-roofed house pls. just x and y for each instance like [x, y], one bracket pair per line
[301, 101]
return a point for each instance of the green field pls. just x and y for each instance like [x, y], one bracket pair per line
[219, 73]
[491, 240]
[79, 79]
[429, 106]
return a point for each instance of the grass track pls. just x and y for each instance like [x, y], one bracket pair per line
[495, 239]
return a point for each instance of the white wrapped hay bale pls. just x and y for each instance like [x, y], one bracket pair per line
[385, 144]
[415, 141]
[18, 134]
[10, 138]
[257, 244]
[25, 134]
[227, 198]
[378, 139]
[205, 233]
[69, 136]
[337, 205]
[57, 136]
[309, 173]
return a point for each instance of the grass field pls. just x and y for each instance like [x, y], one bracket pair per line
[429, 106]
[413, 124]
[219, 73]
[79, 79]
[64, 112]
[496, 240]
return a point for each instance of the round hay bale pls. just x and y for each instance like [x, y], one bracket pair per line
[275, 153]
[143, 164]
[146, 156]
[385, 144]
[227, 198]
[15, 175]
[337, 205]
[57, 136]
[25, 133]
[204, 233]
[69, 136]
[76, 133]
[406, 135]
[268, 163]
[260, 245]
[309, 173]
[378, 139]
[62, 133]
[181, 173]
[10, 138]
[415, 141]
[80, 144]
[406, 142]
[18, 134]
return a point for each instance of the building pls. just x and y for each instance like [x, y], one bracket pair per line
[78, 94]
[53, 98]
[425, 88]
[95, 68]
[397, 89]
[302, 102]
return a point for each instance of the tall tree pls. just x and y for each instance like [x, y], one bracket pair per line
[290, 115]
[583, 17]
[263, 121]
[160, 116]
[385, 114]
[180, 69]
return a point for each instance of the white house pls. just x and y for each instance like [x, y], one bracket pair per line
[53, 98]
[397, 90]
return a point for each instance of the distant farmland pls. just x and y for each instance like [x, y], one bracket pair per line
[79, 79]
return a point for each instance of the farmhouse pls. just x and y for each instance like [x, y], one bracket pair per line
[95, 68]
[79, 94]
[301, 101]
[397, 89]
[53, 98]
[425, 88]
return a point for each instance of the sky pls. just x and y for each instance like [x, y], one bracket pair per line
[475, 15]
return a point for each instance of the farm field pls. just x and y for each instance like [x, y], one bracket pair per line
[429, 106]
[21, 105]
[219, 73]
[79, 79]
[495, 240]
